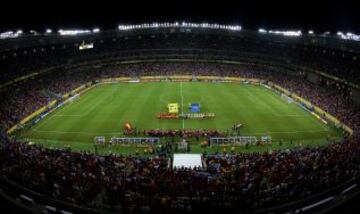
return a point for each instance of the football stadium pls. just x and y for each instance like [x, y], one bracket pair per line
[179, 117]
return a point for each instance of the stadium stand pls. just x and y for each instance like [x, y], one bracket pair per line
[37, 70]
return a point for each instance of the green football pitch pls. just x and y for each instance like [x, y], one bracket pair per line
[104, 110]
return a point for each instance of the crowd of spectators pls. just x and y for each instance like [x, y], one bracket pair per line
[148, 184]
[20, 101]
[338, 62]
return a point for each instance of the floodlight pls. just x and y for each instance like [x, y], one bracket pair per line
[262, 30]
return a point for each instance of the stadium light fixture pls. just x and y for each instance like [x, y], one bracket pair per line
[286, 33]
[10, 34]
[72, 32]
[326, 33]
[348, 36]
[353, 36]
[177, 24]
[96, 30]
[48, 31]
[310, 32]
[7, 34]
[261, 30]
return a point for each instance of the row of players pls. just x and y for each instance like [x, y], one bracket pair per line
[186, 115]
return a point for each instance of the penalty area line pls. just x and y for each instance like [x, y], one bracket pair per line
[45, 120]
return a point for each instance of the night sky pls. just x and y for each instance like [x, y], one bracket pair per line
[317, 15]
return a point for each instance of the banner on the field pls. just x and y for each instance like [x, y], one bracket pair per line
[194, 107]
[173, 108]
[168, 115]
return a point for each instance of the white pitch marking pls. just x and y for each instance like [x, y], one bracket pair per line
[182, 105]
[52, 114]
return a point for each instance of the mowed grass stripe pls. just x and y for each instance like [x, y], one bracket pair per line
[89, 119]
[284, 108]
[272, 121]
[296, 112]
[253, 109]
[306, 123]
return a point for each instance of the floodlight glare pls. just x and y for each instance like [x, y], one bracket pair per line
[183, 24]
[72, 32]
[348, 36]
[262, 30]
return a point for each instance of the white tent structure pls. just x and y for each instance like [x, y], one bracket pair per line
[187, 160]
